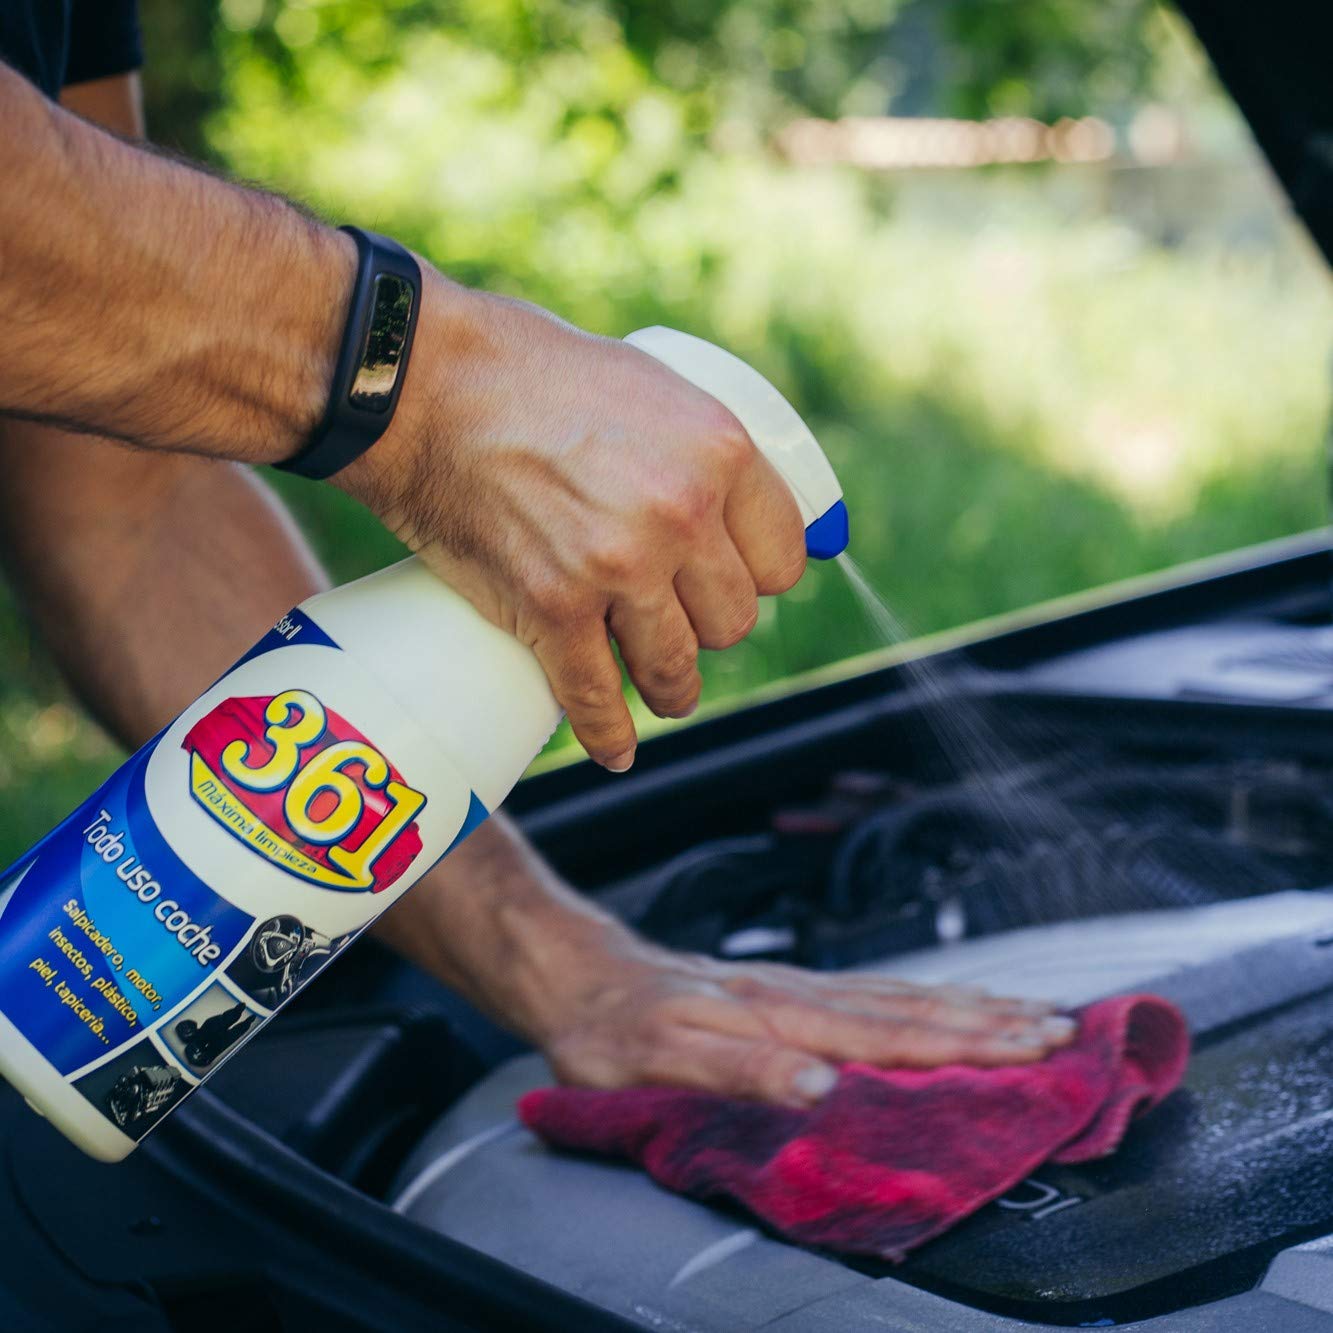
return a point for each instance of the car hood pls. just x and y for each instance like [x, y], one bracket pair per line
[1273, 59]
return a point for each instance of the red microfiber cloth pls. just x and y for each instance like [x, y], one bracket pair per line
[890, 1157]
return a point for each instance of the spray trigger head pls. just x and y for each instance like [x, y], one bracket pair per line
[829, 534]
[771, 422]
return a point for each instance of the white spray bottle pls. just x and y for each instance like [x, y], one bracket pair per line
[157, 928]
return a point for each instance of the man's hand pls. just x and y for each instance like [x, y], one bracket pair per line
[769, 1032]
[611, 1010]
[568, 484]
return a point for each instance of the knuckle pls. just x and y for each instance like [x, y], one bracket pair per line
[614, 562]
[737, 624]
[593, 694]
[673, 672]
[558, 600]
[730, 444]
[683, 510]
[744, 986]
[786, 574]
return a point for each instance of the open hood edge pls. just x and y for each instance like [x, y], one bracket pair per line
[1273, 59]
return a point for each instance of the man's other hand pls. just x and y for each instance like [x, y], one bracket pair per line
[572, 488]
[637, 1014]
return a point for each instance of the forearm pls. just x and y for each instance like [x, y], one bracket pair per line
[149, 301]
[142, 611]
[146, 574]
[180, 565]
[496, 924]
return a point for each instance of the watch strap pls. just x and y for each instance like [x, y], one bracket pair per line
[372, 358]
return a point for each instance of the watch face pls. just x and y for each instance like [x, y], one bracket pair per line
[382, 357]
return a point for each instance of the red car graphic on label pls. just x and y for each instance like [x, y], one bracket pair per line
[304, 788]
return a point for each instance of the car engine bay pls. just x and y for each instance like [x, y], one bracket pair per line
[1054, 868]
[992, 816]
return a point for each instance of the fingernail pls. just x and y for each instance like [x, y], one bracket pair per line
[1022, 1037]
[1057, 1027]
[815, 1081]
[621, 763]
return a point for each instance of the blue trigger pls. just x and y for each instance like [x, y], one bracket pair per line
[829, 534]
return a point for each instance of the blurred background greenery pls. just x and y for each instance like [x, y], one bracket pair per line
[1032, 378]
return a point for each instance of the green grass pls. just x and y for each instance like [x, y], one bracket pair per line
[1020, 406]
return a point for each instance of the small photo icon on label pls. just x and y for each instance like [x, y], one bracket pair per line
[135, 1090]
[303, 788]
[208, 1029]
[282, 954]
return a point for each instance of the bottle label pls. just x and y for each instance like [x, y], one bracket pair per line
[304, 788]
[216, 872]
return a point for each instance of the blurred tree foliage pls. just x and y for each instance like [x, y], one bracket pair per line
[743, 63]
[609, 159]
[536, 146]
[1047, 59]
[182, 72]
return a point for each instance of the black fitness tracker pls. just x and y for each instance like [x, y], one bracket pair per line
[372, 360]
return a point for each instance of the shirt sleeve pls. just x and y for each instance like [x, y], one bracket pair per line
[104, 39]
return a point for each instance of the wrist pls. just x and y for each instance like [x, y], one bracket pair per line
[307, 340]
[412, 452]
[374, 352]
[260, 355]
[495, 923]
[563, 966]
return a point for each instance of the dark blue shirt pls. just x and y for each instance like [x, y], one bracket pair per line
[58, 42]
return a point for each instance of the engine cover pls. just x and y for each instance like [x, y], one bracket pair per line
[1181, 1227]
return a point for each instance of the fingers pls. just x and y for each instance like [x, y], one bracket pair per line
[718, 592]
[739, 1067]
[664, 1048]
[918, 1030]
[661, 653]
[720, 581]
[874, 983]
[586, 680]
[739, 1034]
[765, 524]
[918, 1033]
[921, 1027]
[944, 1009]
